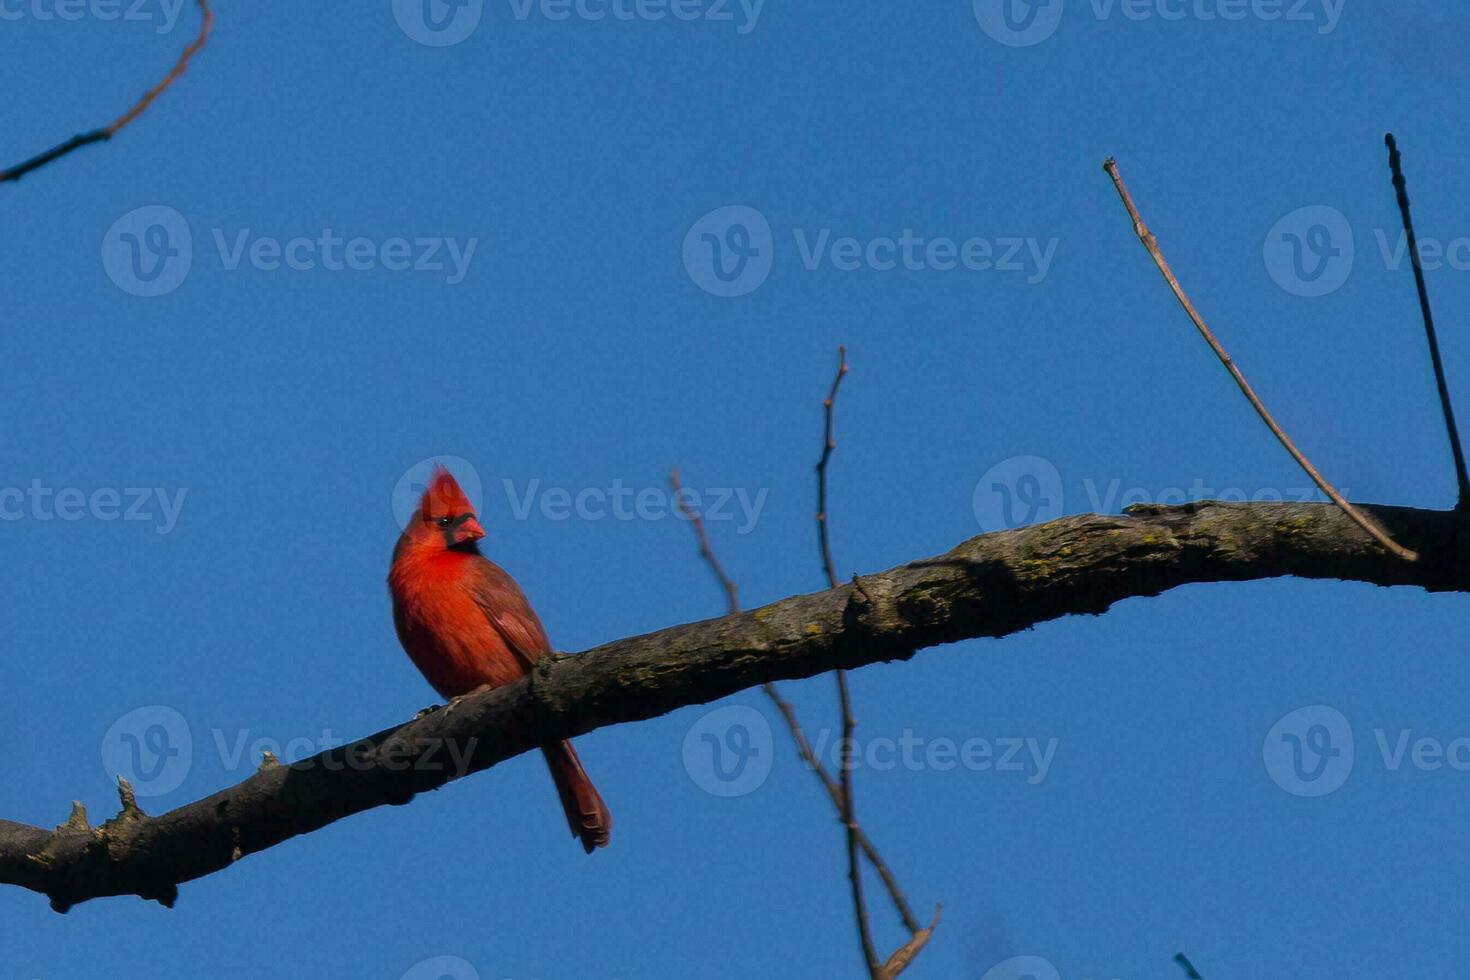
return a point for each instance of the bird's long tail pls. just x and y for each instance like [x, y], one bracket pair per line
[586, 813]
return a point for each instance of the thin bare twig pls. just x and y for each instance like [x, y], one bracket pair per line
[849, 820]
[732, 597]
[827, 446]
[1188, 967]
[1400, 186]
[834, 791]
[1151, 244]
[849, 723]
[788, 714]
[111, 129]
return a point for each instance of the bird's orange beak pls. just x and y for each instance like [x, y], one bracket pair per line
[470, 530]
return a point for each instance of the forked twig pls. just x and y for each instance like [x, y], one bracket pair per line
[111, 129]
[840, 789]
[1395, 164]
[834, 791]
[788, 714]
[1151, 245]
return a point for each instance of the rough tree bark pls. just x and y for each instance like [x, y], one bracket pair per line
[988, 586]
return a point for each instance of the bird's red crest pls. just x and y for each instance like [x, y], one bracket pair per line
[443, 497]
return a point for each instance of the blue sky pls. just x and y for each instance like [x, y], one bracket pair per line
[929, 178]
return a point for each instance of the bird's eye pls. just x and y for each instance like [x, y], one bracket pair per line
[443, 522]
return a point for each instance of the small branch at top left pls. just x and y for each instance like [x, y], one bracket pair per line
[106, 133]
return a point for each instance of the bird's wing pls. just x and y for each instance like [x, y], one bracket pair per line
[507, 609]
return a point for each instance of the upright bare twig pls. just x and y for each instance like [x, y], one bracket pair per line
[1400, 186]
[111, 129]
[844, 700]
[1151, 245]
[828, 444]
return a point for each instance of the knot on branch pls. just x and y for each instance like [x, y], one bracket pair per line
[865, 604]
[541, 684]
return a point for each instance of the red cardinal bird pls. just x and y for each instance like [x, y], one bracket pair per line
[466, 624]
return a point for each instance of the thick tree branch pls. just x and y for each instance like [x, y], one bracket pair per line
[988, 586]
